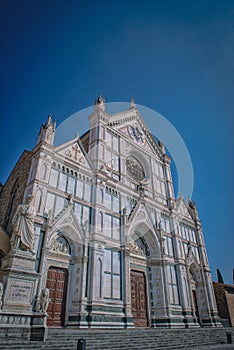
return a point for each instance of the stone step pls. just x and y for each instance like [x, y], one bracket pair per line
[144, 339]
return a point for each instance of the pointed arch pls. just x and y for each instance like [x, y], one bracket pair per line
[43, 171]
[38, 200]
[195, 273]
[100, 221]
[101, 195]
[67, 222]
[196, 291]
[148, 236]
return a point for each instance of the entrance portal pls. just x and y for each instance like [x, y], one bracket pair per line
[138, 298]
[57, 284]
[195, 304]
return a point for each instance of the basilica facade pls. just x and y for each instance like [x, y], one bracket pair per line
[111, 245]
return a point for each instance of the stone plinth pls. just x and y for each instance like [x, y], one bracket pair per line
[16, 326]
[20, 281]
[39, 330]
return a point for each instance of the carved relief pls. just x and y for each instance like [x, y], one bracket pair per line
[60, 245]
[73, 152]
[15, 320]
[135, 249]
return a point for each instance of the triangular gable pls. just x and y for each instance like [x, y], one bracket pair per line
[131, 124]
[138, 215]
[74, 152]
[67, 221]
[130, 132]
[141, 219]
[191, 258]
[183, 208]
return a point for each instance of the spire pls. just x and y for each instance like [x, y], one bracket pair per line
[132, 104]
[99, 102]
[47, 131]
[50, 123]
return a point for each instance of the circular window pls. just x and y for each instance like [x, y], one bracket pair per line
[135, 169]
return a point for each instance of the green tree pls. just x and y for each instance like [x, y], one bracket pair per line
[219, 276]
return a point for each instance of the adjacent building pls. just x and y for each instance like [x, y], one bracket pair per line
[224, 294]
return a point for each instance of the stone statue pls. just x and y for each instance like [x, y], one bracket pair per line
[1, 294]
[141, 190]
[45, 299]
[23, 226]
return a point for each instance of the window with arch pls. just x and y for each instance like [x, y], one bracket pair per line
[100, 221]
[38, 200]
[43, 171]
[101, 195]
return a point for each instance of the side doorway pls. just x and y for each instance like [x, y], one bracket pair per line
[57, 283]
[139, 299]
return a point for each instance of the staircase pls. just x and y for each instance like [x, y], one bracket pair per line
[135, 339]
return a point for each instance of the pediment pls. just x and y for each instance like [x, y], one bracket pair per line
[183, 208]
[140, 215]
[190, 258]
[135, 134]
[141, 225]
[67, 221]
[133, 127]
[73, 151]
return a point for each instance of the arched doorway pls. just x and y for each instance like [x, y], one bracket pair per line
[57, 280]
[195, 293]
[138, 277]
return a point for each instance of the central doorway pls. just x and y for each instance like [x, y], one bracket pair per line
[138, 299]
[57, 284]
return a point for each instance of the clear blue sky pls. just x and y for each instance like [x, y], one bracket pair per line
[176, 57]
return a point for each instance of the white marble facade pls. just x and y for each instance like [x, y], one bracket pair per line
[105, 207]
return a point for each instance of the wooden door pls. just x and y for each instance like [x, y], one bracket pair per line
[57, 284]
[138, 298]
[195, 304]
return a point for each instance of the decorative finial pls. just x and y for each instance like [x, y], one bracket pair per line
[100, 102]
[132, 104]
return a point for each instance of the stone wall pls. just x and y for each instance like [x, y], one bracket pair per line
[224, 295]
[18, 178]
[229, 292]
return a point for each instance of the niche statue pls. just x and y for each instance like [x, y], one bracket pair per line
[45, 299]
[23, 226]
